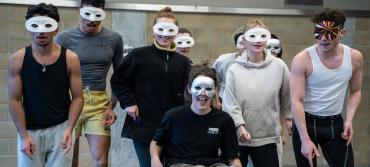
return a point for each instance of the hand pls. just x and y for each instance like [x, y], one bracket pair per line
[289, 126]
[244, 135]
[67, 140]
[155, 162]
[28, 146]
[347, 132]
[133, 111]
[283, 141]
[309, 150]
[109, 117]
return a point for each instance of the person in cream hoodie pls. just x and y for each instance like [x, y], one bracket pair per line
[256, 90]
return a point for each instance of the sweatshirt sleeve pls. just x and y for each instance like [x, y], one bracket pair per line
[285, 94]
[123, 81]
[229, 102]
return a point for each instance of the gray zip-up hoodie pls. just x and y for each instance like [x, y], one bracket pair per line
[255, 94]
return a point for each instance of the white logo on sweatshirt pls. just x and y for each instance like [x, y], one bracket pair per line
[212, 131]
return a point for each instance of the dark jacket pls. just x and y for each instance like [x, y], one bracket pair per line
[155, 81]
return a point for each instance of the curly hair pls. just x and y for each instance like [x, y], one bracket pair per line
[329, 14]
[43, 9]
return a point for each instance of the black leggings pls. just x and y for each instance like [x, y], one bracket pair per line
[262, 156]
[326, 132]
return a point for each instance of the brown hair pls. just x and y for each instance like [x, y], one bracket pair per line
[197, 70]
[329, 14]
[184, 30]
[165, 12]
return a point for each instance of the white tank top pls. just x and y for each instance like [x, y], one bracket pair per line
[326, 88]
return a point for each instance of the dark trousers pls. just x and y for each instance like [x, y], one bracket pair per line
[142, 152]
[262, 156]
[326, 132]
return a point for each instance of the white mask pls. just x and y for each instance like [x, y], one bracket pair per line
[41, 24]
[239, 42]
[165, 29]
[92, 13]
[203, 84]
[273, 45]
[257, 35]
[184, 41]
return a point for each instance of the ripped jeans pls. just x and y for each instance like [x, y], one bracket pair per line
[325, 131]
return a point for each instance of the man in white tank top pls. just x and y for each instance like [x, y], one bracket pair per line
[325, 82]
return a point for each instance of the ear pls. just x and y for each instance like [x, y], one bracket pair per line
[342, 32]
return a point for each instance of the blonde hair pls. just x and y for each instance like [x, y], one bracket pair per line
[165, 12]
[254, 23]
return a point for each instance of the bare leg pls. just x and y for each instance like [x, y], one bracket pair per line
[99, 148]
[76, 149]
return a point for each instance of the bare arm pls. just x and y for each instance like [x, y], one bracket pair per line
[15, 102]
[354, 97]
[155, 152]
[75, 82]
[297, 92]
[15, 92]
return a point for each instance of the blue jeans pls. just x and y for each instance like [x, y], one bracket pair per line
[142, 152]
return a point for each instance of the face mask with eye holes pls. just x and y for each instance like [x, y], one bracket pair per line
[203, 84]
[41, 24]
[327, 29]
[184, 41]
[92, 13]
[257, 35]
[273, 45]
[165, 29]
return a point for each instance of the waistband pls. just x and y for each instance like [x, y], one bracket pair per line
[331, 117]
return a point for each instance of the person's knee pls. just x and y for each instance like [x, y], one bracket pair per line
[101, 162]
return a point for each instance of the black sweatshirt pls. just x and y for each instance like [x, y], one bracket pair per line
[154, 80]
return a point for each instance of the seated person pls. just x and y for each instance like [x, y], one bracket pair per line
[193, 134]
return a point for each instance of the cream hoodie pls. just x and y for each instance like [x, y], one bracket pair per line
[255, 94]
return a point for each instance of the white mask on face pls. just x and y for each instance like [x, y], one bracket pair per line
[165, 29]
[92, 13]
[239, 42]
[184, 41]
[273, 45]
[41, 24]
[257, 35]
[203, 84]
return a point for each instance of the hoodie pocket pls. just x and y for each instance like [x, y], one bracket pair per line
[260, 123]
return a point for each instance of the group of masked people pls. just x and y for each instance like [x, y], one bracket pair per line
[235, 110]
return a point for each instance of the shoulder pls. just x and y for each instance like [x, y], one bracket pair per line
[301, 59]
[72, 59]
[16, 60]
[225, 56]
[67, 32]
[356, 57]
[176, 111]
[112, 34]
[141, 51]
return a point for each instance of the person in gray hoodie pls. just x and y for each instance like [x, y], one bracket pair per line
[256, 90]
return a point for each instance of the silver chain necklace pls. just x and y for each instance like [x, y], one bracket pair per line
[43, 65]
